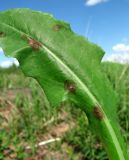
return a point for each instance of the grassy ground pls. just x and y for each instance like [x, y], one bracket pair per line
[26, 119]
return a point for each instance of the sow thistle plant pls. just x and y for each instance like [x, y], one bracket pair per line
[67, 67]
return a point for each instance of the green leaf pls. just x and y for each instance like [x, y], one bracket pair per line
[67, 66]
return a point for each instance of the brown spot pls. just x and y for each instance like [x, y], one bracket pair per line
[98, 113]
[70, 86]
[2, 34]
[34, 44]
[57, 27]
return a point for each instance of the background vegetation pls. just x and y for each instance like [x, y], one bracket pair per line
[26, 119]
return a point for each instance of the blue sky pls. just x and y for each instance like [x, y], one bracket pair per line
[105, 22]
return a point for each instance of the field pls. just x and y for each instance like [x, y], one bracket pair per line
[26, 120]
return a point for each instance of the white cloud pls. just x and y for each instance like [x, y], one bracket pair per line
[119, 58]
[94, 2]
[6, 64]
[121, 48]
[120, 54]
[9, 63]
[1, 50]
[16, 62]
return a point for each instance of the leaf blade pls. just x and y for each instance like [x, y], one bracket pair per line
[61, 55]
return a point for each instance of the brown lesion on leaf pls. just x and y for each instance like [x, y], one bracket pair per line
[32, 42]
[2, 34]
[98, 113]
[57, 27]
[70, 86]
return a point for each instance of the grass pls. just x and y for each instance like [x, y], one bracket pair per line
[26, 119]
